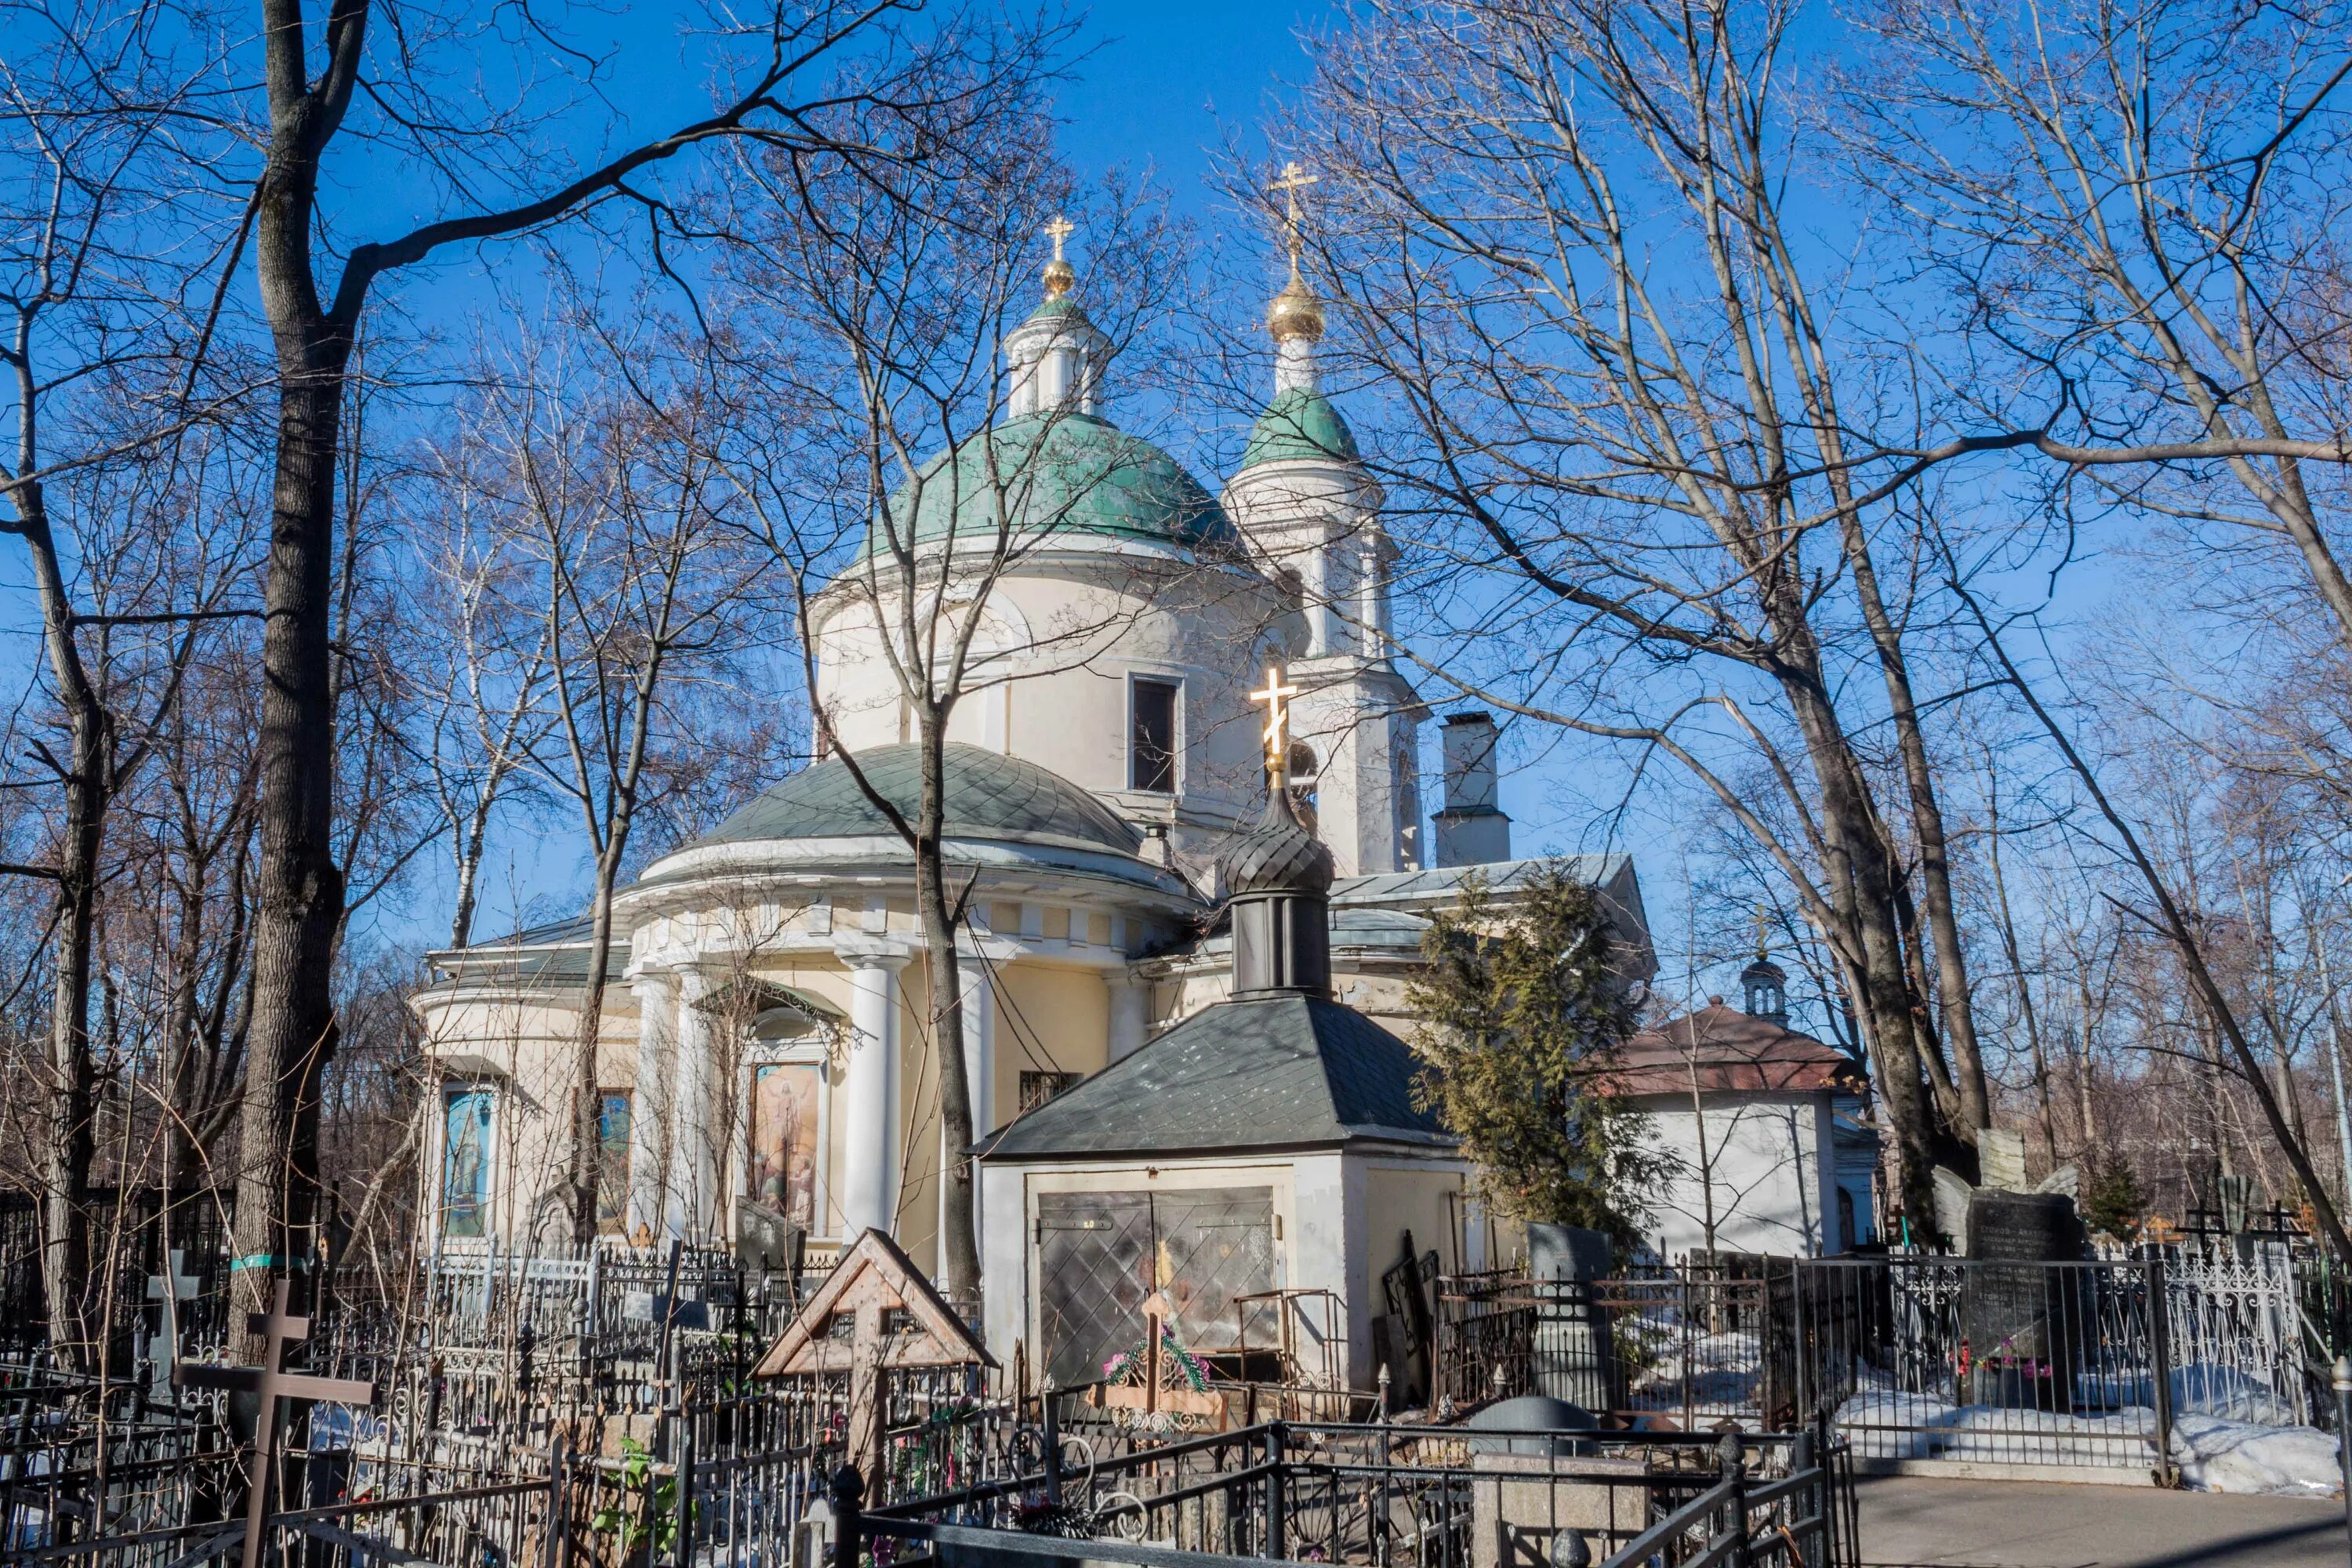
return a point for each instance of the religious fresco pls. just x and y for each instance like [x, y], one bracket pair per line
[614, 1112]
[466, 1163]
[782, 1172]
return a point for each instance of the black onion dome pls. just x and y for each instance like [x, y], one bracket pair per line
[1280, 855]
[1763, 971]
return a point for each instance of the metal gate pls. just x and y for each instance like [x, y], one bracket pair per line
[1101, 1254]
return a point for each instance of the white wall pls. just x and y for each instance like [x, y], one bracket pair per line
[1769, 1171]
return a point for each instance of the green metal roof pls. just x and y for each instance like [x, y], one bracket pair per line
[1300, 423]
[1058, 473]
[1277, 1072]
[989, 796]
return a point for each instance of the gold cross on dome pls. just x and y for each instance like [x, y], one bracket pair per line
[1763, 930]
[1295, 179]
[1277, 717]
[1061, 228]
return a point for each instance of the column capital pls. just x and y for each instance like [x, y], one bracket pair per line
[660, 968]
[871, 953]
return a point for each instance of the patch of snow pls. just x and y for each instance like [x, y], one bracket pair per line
[2216, 1455]
[2125, 1437]
[2200, 1389]
[1883, 1425]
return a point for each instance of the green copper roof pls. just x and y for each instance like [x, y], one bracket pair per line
[1300, 423]
[989, 796]
[1060, 473]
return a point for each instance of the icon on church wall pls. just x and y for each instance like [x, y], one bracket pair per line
[466, 1163]
[784, 1140]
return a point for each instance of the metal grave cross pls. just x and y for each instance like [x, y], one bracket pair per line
[183, 1286]
[272, 1382]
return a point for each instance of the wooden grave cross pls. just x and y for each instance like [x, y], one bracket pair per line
[897, 1320]
[271, 1382]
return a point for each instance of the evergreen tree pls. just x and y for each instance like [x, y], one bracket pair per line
[1524, 1016]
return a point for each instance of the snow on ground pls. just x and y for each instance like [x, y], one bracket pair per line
[2217, 1455]
[2214, 1453]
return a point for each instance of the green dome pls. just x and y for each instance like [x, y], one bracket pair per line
[1061, 473]
[1300, 423]
[989, 796]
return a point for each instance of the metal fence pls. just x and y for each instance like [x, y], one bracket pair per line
[1417, 1497]
[1691, 1347]
[1990, 1362]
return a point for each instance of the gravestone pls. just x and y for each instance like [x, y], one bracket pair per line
[1574, 1356]
[2020, 1319]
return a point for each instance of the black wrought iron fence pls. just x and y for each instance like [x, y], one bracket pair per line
[1989, 1360]
[1418, 1497]
[1691, 1347]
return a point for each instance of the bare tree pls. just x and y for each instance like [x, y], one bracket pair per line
[2138, 211]
[1671, 466]
[644, 588]
[104, 373]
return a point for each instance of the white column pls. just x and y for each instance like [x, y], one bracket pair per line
[649, 1105]
[1128, 1023]
[869, 1185]
[693, 1176]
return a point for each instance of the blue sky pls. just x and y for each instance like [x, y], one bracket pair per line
[1158, 86]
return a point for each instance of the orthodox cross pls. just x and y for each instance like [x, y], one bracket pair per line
[1295, 179]
[1061, 228]
[1763, 926]
[1278, 719]
[272, 1382]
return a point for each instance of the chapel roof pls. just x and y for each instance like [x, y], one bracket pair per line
[989, 796]
[1061, 474]
[1286, 1071]
[1731, 1050]
[1300, 423]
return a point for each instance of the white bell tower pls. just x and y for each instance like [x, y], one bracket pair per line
[1311, 514]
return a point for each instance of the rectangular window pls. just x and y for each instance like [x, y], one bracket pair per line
[1037, 1088]
[614, 1109]
[782, 1172]
[1151, 736]
[466, 1162]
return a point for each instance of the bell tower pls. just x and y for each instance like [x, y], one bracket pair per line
[1311, 514]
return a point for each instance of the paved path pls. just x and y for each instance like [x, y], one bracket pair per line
[1916, 1522]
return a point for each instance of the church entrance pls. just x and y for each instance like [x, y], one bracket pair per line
[1101, 1254]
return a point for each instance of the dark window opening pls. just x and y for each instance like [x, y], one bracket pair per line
[1151, 738]
[1037, 1088]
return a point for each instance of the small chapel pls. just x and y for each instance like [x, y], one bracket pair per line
[1184, 806]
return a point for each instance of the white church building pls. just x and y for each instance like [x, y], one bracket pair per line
[766, 1042]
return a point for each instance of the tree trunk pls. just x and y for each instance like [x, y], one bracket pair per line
[69, 1131]
[587, 1100]
[959, 1241]
[73, 1102]
[1863, 887]
[300, 894]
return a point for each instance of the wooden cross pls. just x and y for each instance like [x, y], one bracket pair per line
[1295, 179]
[1061, 228]
[1277, 717]
[270, 1381]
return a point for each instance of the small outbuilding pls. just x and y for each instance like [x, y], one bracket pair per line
[1251, 1175]
[1767, 1127]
